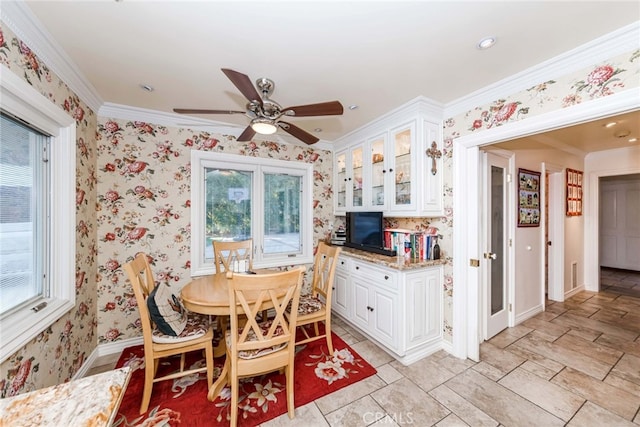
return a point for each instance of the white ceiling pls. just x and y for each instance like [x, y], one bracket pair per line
[374, 54]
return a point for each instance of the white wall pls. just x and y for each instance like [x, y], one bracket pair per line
[529, 241]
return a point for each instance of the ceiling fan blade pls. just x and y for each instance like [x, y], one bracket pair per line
[196, 111]
[332, 108]
[247, 134]
[302, 135]
[244, 85]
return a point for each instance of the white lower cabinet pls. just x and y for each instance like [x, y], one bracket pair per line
[401, 310]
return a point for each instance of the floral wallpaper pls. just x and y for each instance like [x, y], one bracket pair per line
[56, 354]
[143, 204]
[133, 195]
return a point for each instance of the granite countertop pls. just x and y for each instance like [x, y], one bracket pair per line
[390, 261]
[89, 401]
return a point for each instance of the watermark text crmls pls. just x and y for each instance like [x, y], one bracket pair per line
[400, 418]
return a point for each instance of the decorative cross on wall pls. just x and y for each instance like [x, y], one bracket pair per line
[434, 153]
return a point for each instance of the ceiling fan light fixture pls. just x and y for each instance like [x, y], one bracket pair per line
[264, 126]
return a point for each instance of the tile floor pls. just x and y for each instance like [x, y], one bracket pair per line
[576, 364]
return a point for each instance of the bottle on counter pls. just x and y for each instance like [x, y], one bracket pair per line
[436, 250]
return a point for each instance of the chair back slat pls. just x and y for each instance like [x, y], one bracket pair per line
[324, 268]
[229, 254]
[142, 281]
[251, 294]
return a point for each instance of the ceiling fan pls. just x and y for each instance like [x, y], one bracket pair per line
[266, 114]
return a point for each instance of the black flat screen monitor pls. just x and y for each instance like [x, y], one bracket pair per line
[365, 229]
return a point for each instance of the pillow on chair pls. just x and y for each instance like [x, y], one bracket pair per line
[166, 311]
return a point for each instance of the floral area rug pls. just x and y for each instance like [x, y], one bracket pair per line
[183, 401]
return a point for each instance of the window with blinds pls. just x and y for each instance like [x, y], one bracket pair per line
[24, 207]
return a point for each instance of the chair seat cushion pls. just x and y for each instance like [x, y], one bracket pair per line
[251, 336]
[166, 311]
[196, 325]
[308, 304]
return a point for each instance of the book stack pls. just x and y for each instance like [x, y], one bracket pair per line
[415, 245]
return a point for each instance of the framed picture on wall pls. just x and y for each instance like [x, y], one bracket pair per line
[528, 198]
[574, 192]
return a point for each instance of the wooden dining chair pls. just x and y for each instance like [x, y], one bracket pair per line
[228, 253]
[168, 329]
[257, 347]
[316, 306]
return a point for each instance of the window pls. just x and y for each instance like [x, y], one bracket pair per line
[239, 197]
[24, 207]
[45, 289]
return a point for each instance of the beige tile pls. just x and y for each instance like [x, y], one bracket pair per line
[596, 351]
[451, 420]
[500, 403]
[388, 373]
[569, 320]
[455, 364]
[489, 371]
[621, 383]
[426, 373]
[510, 335]
[629, 347]
[407, 404]
[592, 415]
[350, 393]
[548, 327]
[585, 333]
[628, 368]
[387, 421]
[307, 415]
[541, 360]
[362, 412]
[565, 356]
[550, 397]
[372, 353]
[503, 360]
[611, 398]
[466, 412]
[539, 370]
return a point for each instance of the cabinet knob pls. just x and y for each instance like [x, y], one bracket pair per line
[386, 277]
[390, 169]
[357, 268]
[384, 171]
[369, 308]
[333, 288]
[342, 262]
[349, 179]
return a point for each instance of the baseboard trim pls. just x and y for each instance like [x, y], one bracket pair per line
[573, 291]
[528, 314]
[106, 349]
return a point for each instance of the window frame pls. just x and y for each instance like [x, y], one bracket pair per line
[21, 100]
[258, 166]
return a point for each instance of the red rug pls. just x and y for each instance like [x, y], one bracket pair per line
[183, 401]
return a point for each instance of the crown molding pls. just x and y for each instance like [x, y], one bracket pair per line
[19, 18]
[127, 112]
[620, 41]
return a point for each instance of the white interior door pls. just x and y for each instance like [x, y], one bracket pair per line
[494, 262]
[555, 232]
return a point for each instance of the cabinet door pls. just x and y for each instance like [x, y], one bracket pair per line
[339, 297]
[376, 192]
[423, 305]
[432, 188]
[384, 318]
[361, 304]
[402, 191]
[341, 182]
[357, 167]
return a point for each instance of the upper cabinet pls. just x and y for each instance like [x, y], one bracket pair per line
[385, 165]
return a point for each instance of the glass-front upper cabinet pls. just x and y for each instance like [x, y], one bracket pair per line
[403, 192]
[357, 177]
[376, 147]
[341, 181]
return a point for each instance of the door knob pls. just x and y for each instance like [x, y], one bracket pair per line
[491, 255]
[549, 243]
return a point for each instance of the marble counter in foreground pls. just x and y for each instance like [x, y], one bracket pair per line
[89, 401]
[390, 261]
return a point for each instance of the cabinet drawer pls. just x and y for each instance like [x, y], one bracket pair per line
[344, 265]
[377, 276]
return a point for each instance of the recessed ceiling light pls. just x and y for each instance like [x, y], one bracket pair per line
[317, 130]
[633, 139]
[622, 133]
[610, 124]
[486, 43]
[146, 87]
[353, 107]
